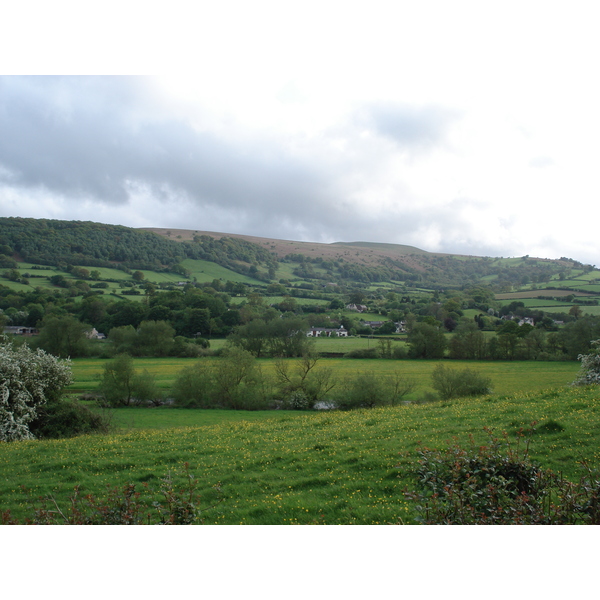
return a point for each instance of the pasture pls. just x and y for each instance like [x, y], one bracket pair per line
[303, 468]
[507, 376]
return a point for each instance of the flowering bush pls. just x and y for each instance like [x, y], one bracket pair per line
[589, 374]
[28, 379]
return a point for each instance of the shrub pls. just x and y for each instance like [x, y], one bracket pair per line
[367, 390]
[486, 485]
[589, 374]
[27, 381]
[297, 400]
[363, 353]
[452, 383]
[178, 505]
[67, 418]
[302, 386]
[193, 387]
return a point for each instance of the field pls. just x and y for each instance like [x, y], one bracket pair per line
[507, 377]
[294, 468]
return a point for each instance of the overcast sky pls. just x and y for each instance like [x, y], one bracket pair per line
[462, 127]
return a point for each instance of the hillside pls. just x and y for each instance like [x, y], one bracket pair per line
[64, 244]
[369, 262]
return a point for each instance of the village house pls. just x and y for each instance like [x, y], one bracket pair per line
[94, 335]
[327, 332]
[20, 330]
[356, 307]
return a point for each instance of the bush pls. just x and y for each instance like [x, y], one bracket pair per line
[27, 381]
[589, 374]
[486, 485]
[178, 505]
[368, 390]
[452, 383]
[67, 418]
[193, 387]
[363, 353]
[301, 386]
[122, 385]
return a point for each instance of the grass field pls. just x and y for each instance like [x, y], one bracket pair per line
[292, 468]
[507, 377]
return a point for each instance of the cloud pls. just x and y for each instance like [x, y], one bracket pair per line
[98, 141]
[410, 127]
[109, 149]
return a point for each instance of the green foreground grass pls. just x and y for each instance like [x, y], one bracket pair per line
[293, 468]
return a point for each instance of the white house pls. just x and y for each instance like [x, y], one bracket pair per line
[327, 332]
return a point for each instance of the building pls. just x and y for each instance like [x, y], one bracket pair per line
[327, 332]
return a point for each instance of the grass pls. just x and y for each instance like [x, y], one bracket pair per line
[330, 468]
[507, 376]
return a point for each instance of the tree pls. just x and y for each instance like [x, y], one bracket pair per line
[238, 381]
[28, 380]
[468, 341]
[589, 374]
[117, 382]
[193, 387]
[303, 386]
[155, 338]
[426, 341]
[64, 336]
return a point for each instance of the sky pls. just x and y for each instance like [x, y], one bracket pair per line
[458, 127]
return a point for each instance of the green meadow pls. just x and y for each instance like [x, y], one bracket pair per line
[302, 468]
[507, 376]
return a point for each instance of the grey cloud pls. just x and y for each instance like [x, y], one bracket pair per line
[82, 136]
[100, 139]
[411, 127]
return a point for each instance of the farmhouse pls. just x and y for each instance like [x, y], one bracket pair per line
[325, 332]
[20, 330]
[94, 335]
[356, 307]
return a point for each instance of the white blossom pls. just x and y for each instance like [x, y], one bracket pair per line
[589, 374]
[27, 380]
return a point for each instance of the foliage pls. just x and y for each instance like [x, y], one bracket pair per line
[178, 505]
[284, 337]
[122, 385]
[589, 373]
[64, 336]
[426, 341]
[67, 418]
[369, 389]
[486, 485]
[193, 387]
[27, 381]
[452, 383]
[238, 381]
[303, 386]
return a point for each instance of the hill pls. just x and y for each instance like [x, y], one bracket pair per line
[370, 262]
[187, 253]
